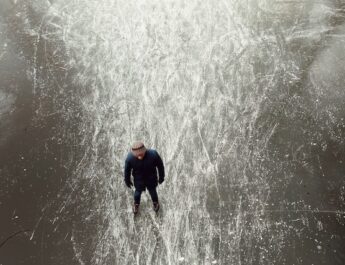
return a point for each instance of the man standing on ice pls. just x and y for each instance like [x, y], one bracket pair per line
[142, 163]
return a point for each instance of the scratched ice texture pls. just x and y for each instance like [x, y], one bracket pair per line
[244, 100]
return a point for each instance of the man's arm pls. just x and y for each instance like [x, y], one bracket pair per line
[127, 173]
[160, 167]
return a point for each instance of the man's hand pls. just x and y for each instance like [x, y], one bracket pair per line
[160, 181]
[129, 184]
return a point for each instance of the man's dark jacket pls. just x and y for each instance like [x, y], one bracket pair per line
[144, 171]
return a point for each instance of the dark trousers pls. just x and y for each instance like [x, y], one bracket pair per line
[152, 191]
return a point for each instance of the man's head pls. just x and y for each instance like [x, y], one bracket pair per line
[138, 150]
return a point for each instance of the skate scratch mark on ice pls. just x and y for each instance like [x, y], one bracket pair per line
[76, 250]
[40, 219]
[306, 211]
[36, 226]
[214, 171]
[35, 64]
[13, 235]
[2, 54]
[291, 211]
[162, 237]
[209, 160]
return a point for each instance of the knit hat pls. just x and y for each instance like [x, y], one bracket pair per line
[138, 146]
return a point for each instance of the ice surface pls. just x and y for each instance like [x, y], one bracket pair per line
[244, 100]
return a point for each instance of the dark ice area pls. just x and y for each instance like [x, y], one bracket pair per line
[243, 99]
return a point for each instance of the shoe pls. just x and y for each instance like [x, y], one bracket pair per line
[156, 206]
[135, 208]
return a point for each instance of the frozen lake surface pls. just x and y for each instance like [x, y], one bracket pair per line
[243, 100]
